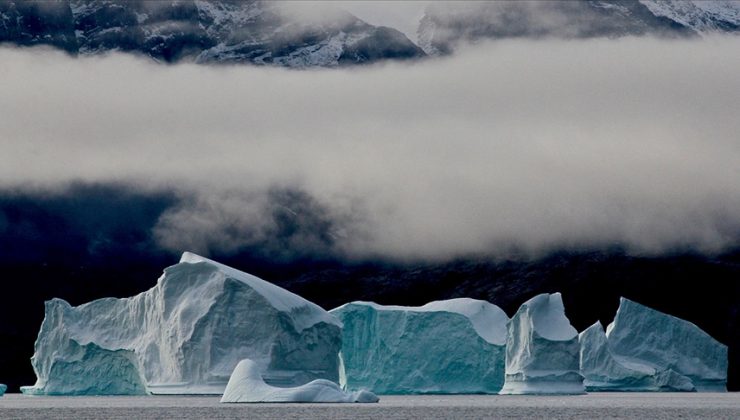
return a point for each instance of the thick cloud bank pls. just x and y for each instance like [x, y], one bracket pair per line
[516, 145]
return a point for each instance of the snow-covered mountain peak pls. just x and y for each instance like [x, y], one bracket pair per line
[701, 16]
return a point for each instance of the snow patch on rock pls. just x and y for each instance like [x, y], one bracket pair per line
[701, 16]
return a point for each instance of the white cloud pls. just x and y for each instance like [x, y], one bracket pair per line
[401, 15]
[534, 145]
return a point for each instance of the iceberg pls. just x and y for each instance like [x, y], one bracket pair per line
[452, 346]
[645, 337]
[542, 350]
[602, 371]
[87, 370]
[3, 388]
[247, 386]
[184, 336]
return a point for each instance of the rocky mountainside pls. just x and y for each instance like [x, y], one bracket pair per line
[446, 25]
[701, 16]
[204, 31]
[299, 35]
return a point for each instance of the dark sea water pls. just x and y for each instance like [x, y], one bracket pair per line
[592, 406]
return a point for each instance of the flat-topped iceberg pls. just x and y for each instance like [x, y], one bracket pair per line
[247, 386]
[542, 350]
[84, 369]
[603, 372]
[447, 347]
[641, 336]
[185, 336]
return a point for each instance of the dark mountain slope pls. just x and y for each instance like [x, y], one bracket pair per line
[204, 31]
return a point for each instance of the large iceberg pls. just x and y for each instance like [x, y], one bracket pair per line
[185, 336]
[247, 386]
[542, 350]
[446, 347]
[602, 371]
[640, 336]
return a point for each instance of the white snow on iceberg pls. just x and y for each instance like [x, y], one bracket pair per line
[247, 386]
[542, 350]
[603, 372]
[445, 347]
[185, 336]
[643, 336]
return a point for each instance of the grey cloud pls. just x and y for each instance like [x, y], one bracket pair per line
[279, 223]
[531, 145]
[446, 25]
[401, 15]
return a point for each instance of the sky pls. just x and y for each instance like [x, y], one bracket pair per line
[516, 145]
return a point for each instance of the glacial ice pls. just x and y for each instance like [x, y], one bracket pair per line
[641, 336]
[185, 336]
[247, 386]
[445, 347]
[3, 388]
[87, 370]
[542, 350]
[602, 371]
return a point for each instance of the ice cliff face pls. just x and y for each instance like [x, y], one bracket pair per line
[247, 386]
[447, 25]
[446, 347]
[204, 31]
[640, 336]
[87, 369]
[185, 335]
[602, 371]
[542, 350]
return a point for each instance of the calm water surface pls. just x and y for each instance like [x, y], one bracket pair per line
[592, 406]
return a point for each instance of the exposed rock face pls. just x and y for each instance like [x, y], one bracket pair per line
[445, 347]
[542, 350]
[184, 336]
[204, 31]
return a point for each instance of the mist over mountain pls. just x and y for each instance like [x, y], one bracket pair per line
[448, 25]
[301, 35]
[205, 31]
